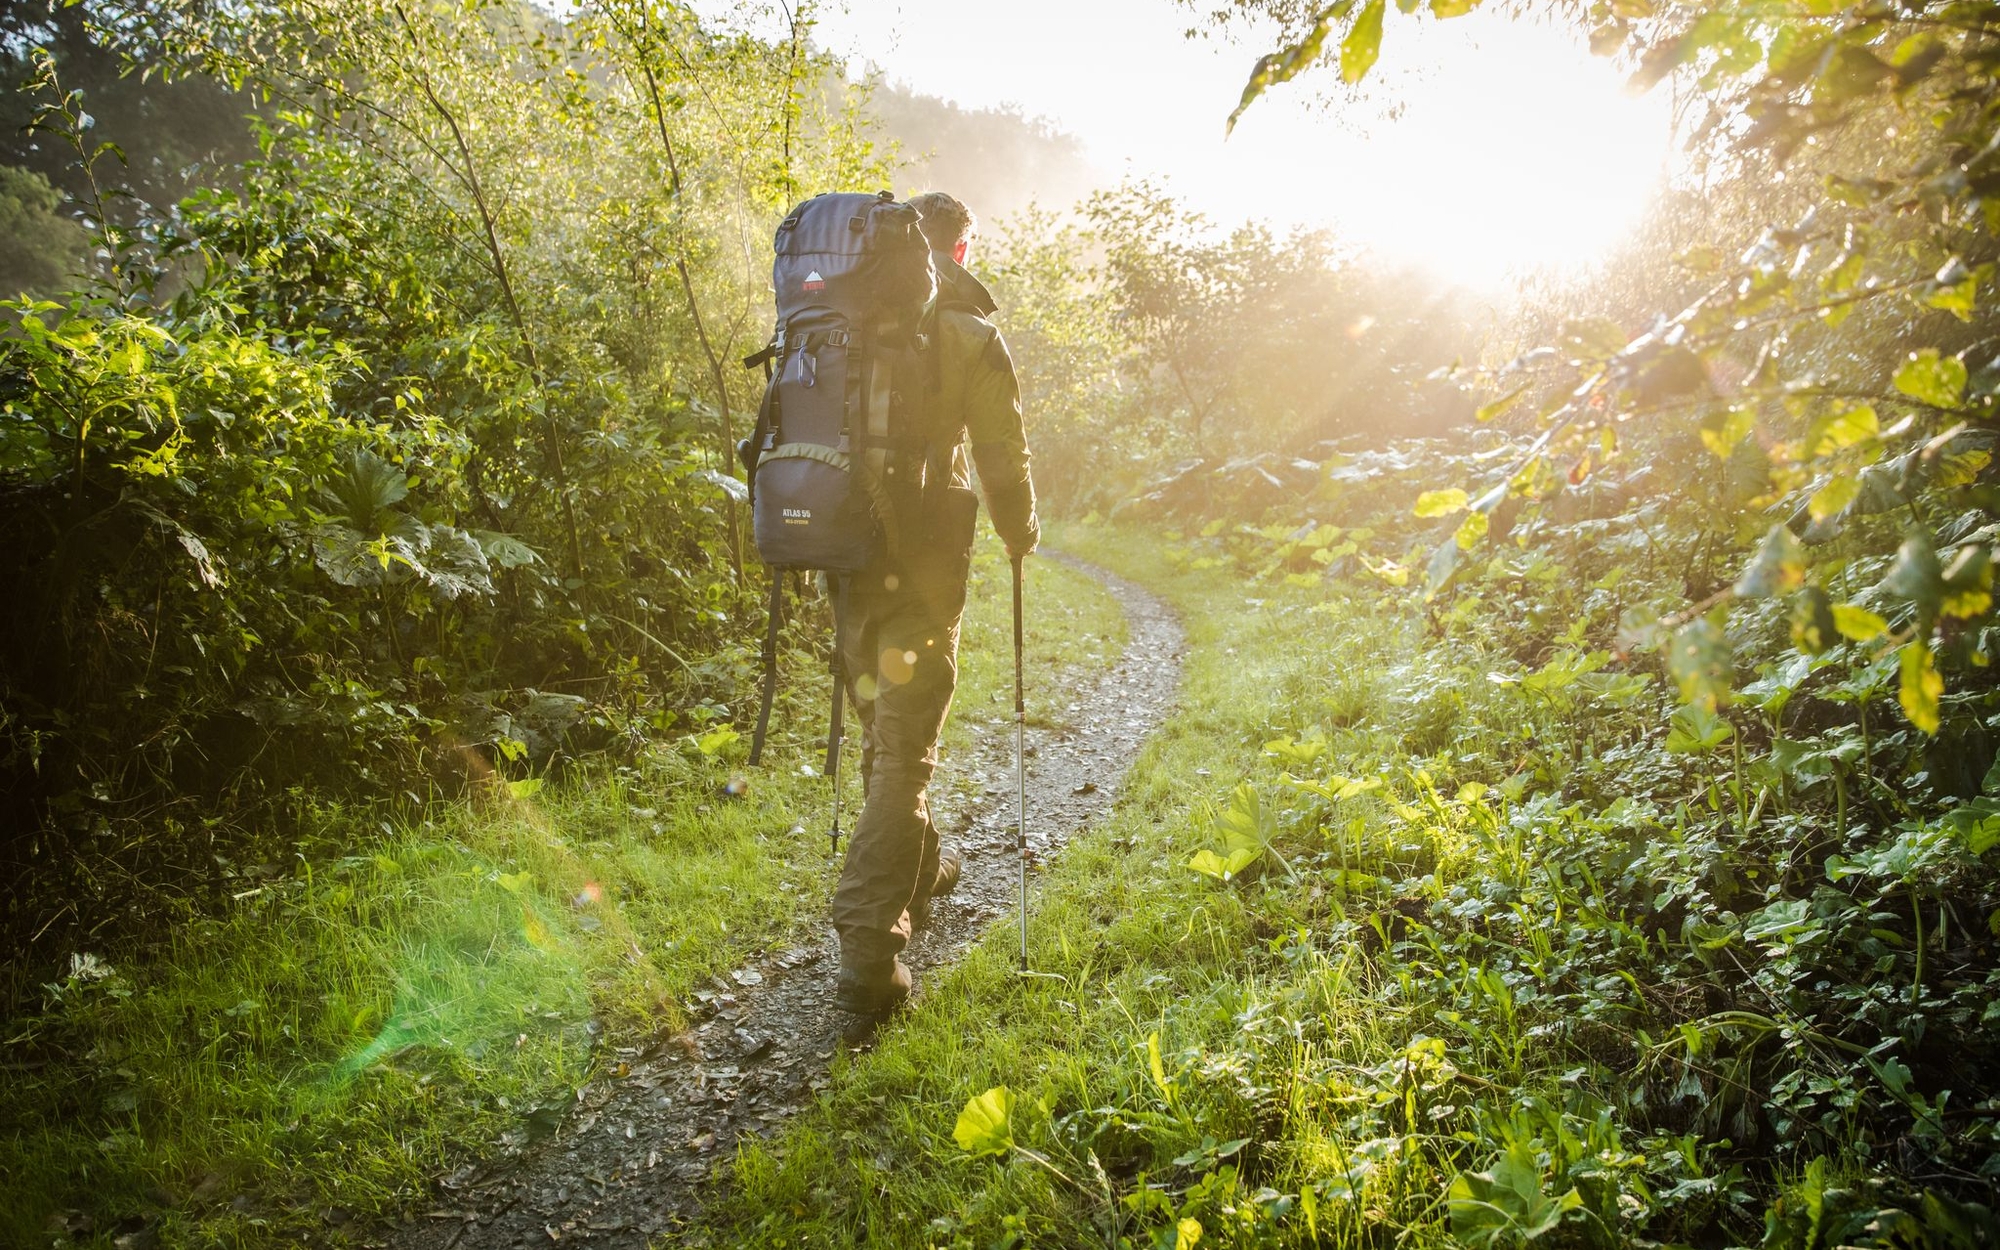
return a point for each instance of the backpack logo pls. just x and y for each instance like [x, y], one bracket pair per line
[814, 282]
[798, 516]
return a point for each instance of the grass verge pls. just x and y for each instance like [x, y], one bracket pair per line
[408, 995]
[1385, 943]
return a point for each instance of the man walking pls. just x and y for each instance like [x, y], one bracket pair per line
[899, 627]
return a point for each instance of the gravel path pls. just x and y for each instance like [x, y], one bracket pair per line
[634, 1157]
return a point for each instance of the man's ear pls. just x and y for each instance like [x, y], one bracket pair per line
[960, 250]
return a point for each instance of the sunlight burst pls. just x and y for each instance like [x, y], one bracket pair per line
[1525, 154]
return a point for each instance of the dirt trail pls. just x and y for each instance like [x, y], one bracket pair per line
[634, 1157]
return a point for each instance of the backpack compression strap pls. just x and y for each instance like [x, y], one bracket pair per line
[832, 769]
[770, 666]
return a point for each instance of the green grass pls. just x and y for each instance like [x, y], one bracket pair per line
[344, 1033]
[1436, 1021]
[1144, 947]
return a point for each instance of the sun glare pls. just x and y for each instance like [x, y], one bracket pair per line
[1524, 154]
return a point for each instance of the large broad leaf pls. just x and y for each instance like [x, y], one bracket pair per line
[1917, 575]
[1222, 867]
[1295, 752]
[1833, 498]
[1813, 626]
[1930, 378]
[1443, 563]
[1722, 432]
[366, 487]
[1700, 661]
[1500, 406]
[1968, 581]
[986, 1125]
[455, 564]
[1246, 824]
[730, 486]
[1976, 824]
[1778, 568]
[505, 550]
[718, 740]
[353, 558]
[1695, 730]
[1434, 503]
[1843, 428]
[1506, 1205]
[1921, 686]
[1857, 624]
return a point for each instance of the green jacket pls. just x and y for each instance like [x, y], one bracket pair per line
[979, 402]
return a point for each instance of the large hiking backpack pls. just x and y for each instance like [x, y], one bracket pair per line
[838, 449]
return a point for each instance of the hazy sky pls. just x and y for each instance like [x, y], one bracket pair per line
[1483, 144]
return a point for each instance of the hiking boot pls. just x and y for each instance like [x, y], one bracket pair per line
[873, 989]
[949, 867]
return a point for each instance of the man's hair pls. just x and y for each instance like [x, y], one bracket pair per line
[945, 222]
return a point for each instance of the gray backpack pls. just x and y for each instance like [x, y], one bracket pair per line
[836, 449]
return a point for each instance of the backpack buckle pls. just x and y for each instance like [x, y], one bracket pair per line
[836, 338]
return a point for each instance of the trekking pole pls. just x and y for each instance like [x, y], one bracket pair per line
[1020, 765]
[1021, 780]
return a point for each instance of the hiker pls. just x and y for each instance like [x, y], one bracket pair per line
[899, 625]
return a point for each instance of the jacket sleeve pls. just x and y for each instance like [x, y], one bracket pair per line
[1000, 445]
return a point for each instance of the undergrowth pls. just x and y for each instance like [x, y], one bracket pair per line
[1397, 939]
[357, 1020]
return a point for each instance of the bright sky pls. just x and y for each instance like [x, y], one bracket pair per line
[1485, 146]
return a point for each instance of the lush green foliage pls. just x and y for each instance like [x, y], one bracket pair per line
[411, 995]
[1837, 370]
[1516, 948]
[1581, 830]
[423, 473]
